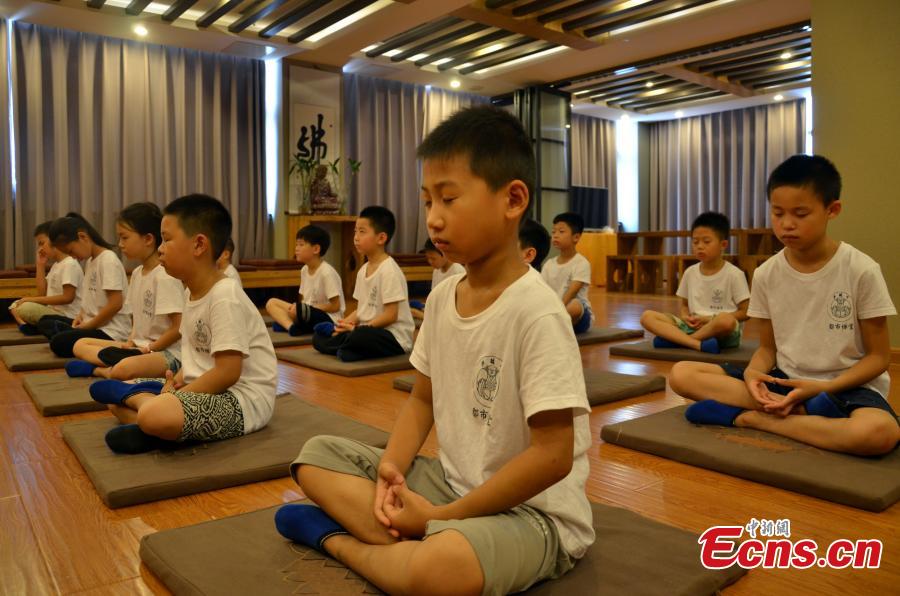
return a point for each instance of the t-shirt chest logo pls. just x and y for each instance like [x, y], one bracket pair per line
[202, 336]
[718, 296]
[148, 302]
[93, 281]
[487, 381]
[373, 297]
[841, 307]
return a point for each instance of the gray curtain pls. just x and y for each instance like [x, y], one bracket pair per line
[102, 123]
[720, 162]
[7, 218]
[384, 122]
[594, 157]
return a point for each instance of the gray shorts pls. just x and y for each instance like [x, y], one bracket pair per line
[516, 548]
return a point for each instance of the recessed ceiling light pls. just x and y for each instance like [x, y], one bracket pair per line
[571, 105]
[785, 55]
[778, 97]
[140, 30]
[679, 114]
[648, 84]
[568, 126]
[427, 87]
[455, 83]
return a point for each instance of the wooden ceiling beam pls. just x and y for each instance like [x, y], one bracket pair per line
[528, 27]
[698, 78]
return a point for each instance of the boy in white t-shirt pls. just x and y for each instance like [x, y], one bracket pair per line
[223, 263]
[59, 288]
[442, 269]
[569, 274]
[156, 300]
[226, 385]
[714, 295]
[499, 378]
[382, 324]
[321, 296]
[820, 373]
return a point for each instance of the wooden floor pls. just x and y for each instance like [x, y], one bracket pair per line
[57, 537]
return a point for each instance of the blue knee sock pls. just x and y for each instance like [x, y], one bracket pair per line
[114, 392]
[277, 327]
[661, 342]
[80, 368]
[710, 411]
[307, 525]
[129, 438]
[417, 304]
[325, 329]
[710, 346]
[823, 405]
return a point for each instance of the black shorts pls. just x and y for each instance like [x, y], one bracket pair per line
[846, 401]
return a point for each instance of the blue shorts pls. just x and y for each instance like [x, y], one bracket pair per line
[846, 401]
[587, 317]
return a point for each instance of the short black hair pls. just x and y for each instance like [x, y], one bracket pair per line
[202, 214]
[571, 219]
[65, 230]
[381, 219]
[814, 171]
[314, 235]
[430, 247]
[497, 146]
[533, 234]
[43, 228]
[229, 245]
[143, 218]
[717, 222]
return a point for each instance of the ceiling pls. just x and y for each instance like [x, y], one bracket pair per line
[642, 57]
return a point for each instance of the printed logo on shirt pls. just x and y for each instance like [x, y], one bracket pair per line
[202, 337]
[92, 283]
[373, 298]
[148, 303]
[718, 296]
[841, 308]
[487, 381]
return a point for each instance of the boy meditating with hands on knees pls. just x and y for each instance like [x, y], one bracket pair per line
[820, 373]
[499, 377]
[382, 324]
[226, 385]
[321, 297]
[714, 295]
[569, 274]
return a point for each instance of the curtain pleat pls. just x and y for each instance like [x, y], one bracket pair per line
[7, 197]
[720, 162]
[102, 123]
[384, 122]
[594, 157]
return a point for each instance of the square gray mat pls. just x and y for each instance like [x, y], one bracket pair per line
[282, 339]
[123, 480]
[56, 393]
[596, 335]
[33, 357]
[317, 360]
[644, 349]
[871, 483]
[11, 336]
[244, 554]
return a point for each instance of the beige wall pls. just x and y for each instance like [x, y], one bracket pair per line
[856, 107]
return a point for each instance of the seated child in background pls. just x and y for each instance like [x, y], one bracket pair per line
[321, 297]
[223, 263]
[442, 269]
[569, 274]
[820, 373]
[226, 385]
[59, 288]
[382, 324]
[103, 314]
[534, 242]
[498, 377]
[714, 295]
[156, 300]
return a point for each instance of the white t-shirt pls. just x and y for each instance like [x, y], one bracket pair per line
[815, 316]
[708, 295]
[66, 272]
[386, 285]
[490, 373]
[560, 277]
[152, 298]
[437, 276]
[225, 319]
[320, 287]
[233, 273]
[105, 272]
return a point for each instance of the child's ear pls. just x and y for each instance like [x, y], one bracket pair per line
[517, 199]
[834, 209]
[381, 238]
[530, 254]
[725, 244]
[200, 244]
